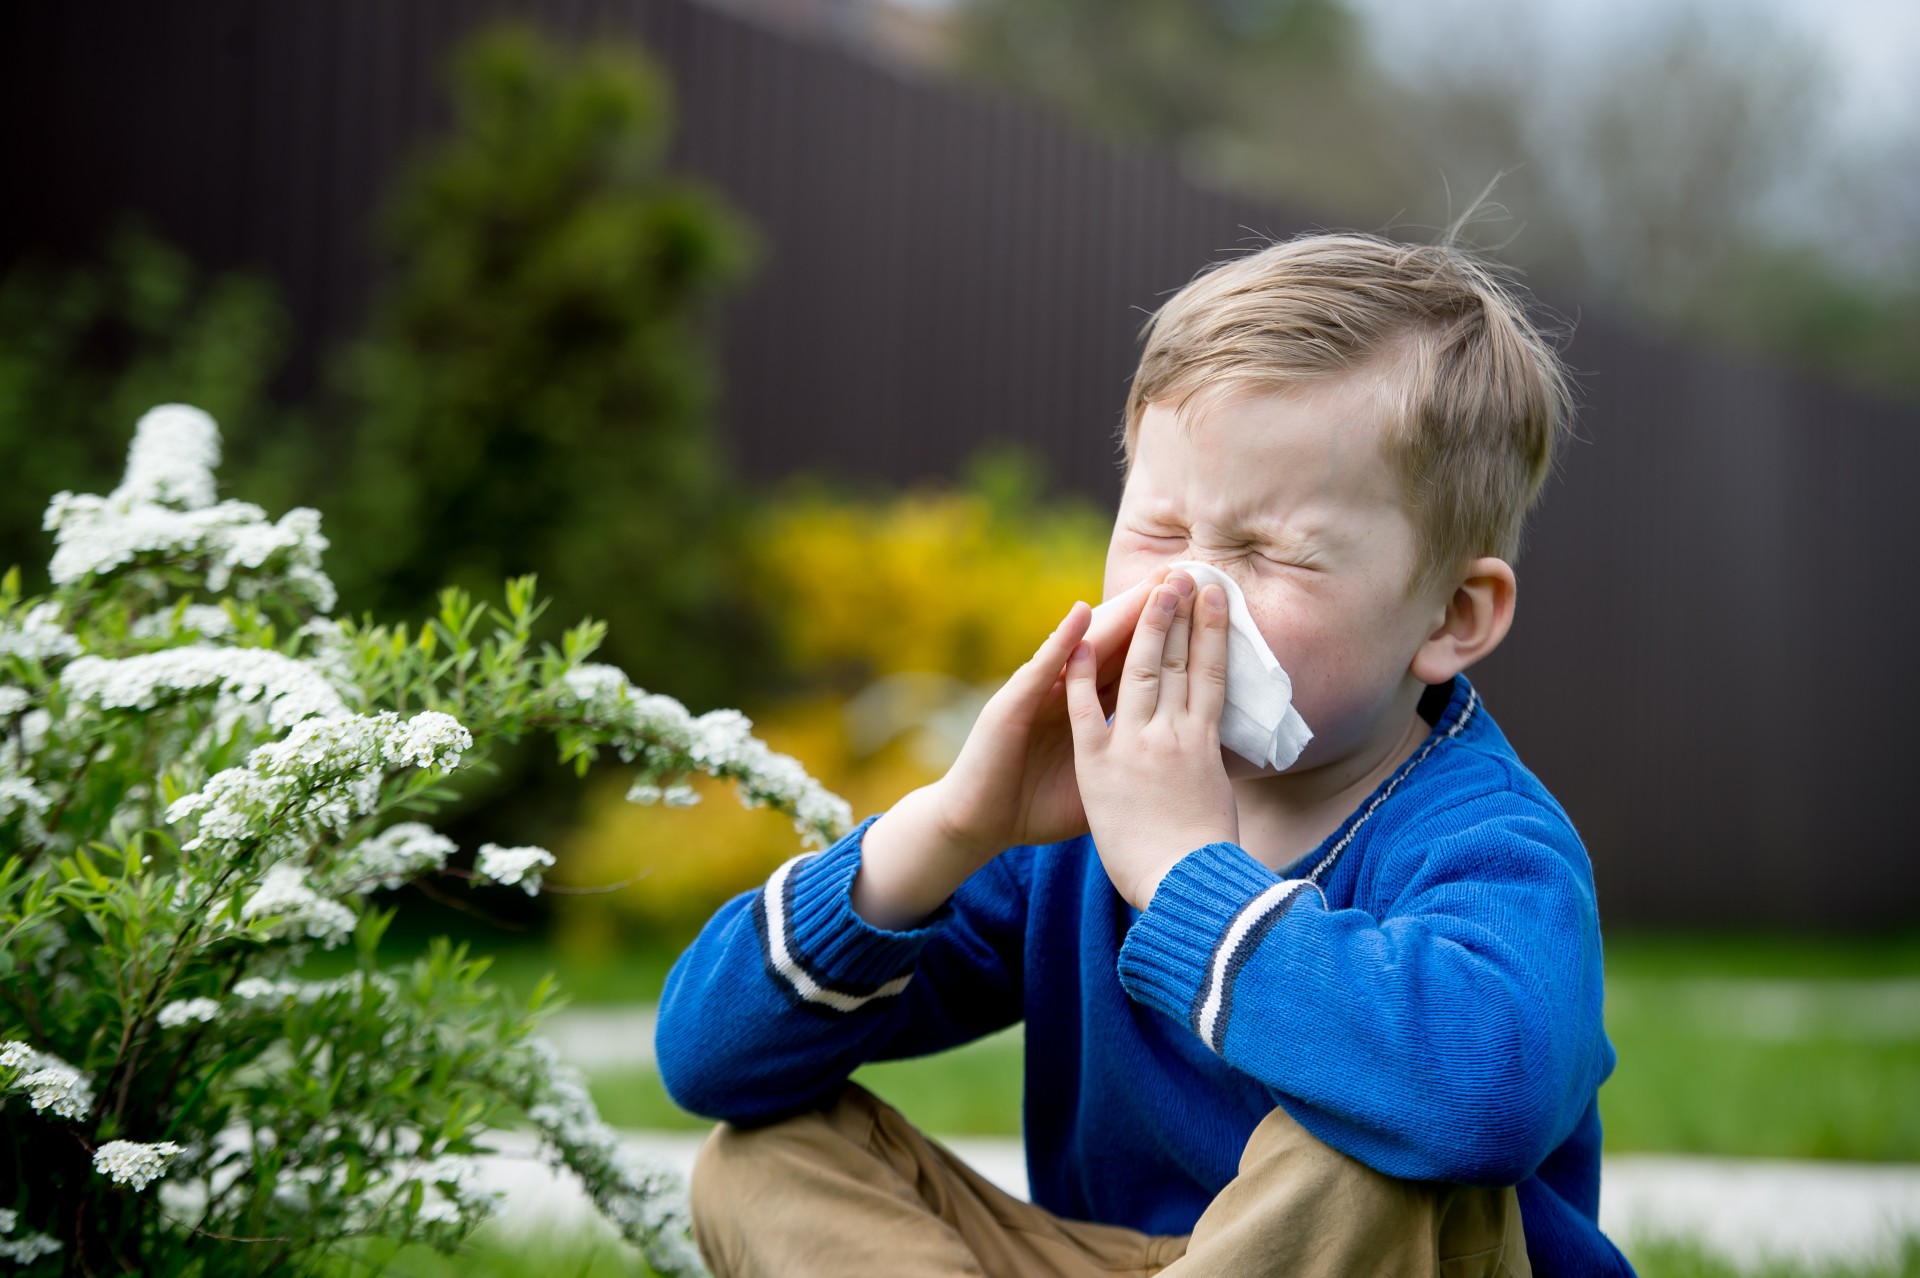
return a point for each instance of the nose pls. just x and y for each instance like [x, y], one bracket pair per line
[1233, 565]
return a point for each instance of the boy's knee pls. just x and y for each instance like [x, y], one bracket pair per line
[1292, 1184]
[743, 1180]
[751, 1165]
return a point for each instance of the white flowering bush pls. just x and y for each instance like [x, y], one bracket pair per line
[202, 777]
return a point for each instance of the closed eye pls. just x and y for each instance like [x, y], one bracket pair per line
[1273, 555]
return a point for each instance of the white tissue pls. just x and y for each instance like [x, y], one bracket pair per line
[1258, 722]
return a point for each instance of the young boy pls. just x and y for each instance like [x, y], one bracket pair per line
[1337, 1019]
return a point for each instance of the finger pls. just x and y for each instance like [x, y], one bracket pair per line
[1173, 658]
[1139, 690]
[1111, 631]
[1042, 670]
[1115, 620]
[1207, 663]
[1084, 715]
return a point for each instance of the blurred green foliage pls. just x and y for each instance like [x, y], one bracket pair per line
[85, 351]
[535, 388]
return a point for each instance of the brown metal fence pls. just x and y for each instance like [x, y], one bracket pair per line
[1710, 668]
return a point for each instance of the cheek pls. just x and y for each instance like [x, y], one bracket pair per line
[1294, 631]
[1127, 566]
[1316, 652]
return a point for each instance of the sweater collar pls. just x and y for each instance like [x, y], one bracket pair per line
[1462, 708]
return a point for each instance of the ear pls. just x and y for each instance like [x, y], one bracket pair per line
[1471, 624]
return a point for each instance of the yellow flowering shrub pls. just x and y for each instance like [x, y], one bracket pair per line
[933, 581]
[947, 583]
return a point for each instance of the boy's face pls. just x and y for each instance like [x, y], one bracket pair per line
[1290, 493]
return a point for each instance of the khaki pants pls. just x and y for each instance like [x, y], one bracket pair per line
[853, 1190]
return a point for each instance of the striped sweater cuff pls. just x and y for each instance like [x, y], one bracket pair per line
[1212, 910]
[817, 948]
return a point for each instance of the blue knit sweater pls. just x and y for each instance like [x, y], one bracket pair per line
[1422, 991]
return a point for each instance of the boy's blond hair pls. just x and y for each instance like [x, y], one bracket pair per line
[1477, 396]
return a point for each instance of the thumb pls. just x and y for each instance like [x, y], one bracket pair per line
[1089, 721]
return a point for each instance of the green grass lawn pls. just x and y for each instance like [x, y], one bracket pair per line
[1789, 1048]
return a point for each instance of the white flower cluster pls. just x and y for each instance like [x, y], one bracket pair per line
[722, 739]
[677, 795]
[188, 1011]
[209, 620]
[49, 1082]
[430, 739]
[278, 992]
[398, 853]
[287, 688]
[449, 1194]
[38, 636]
[28, 1247]
[19, 792]
[330, 653]
[720, 743]
[164, 507]
[175, 448]
[646, 1201]
[128, 1162]
[508, 866]
[354, 743]
[452, 1197]
[779, 780]
[288, 901]
[326, 770]
[35, 725]
[263, 993]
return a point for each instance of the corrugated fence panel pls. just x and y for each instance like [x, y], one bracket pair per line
[1711, 669]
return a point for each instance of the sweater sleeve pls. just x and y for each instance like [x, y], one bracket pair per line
[787, 990]
[1454, 1036]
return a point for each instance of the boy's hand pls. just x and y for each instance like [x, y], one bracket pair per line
[1153, 782]
[1012, 784]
